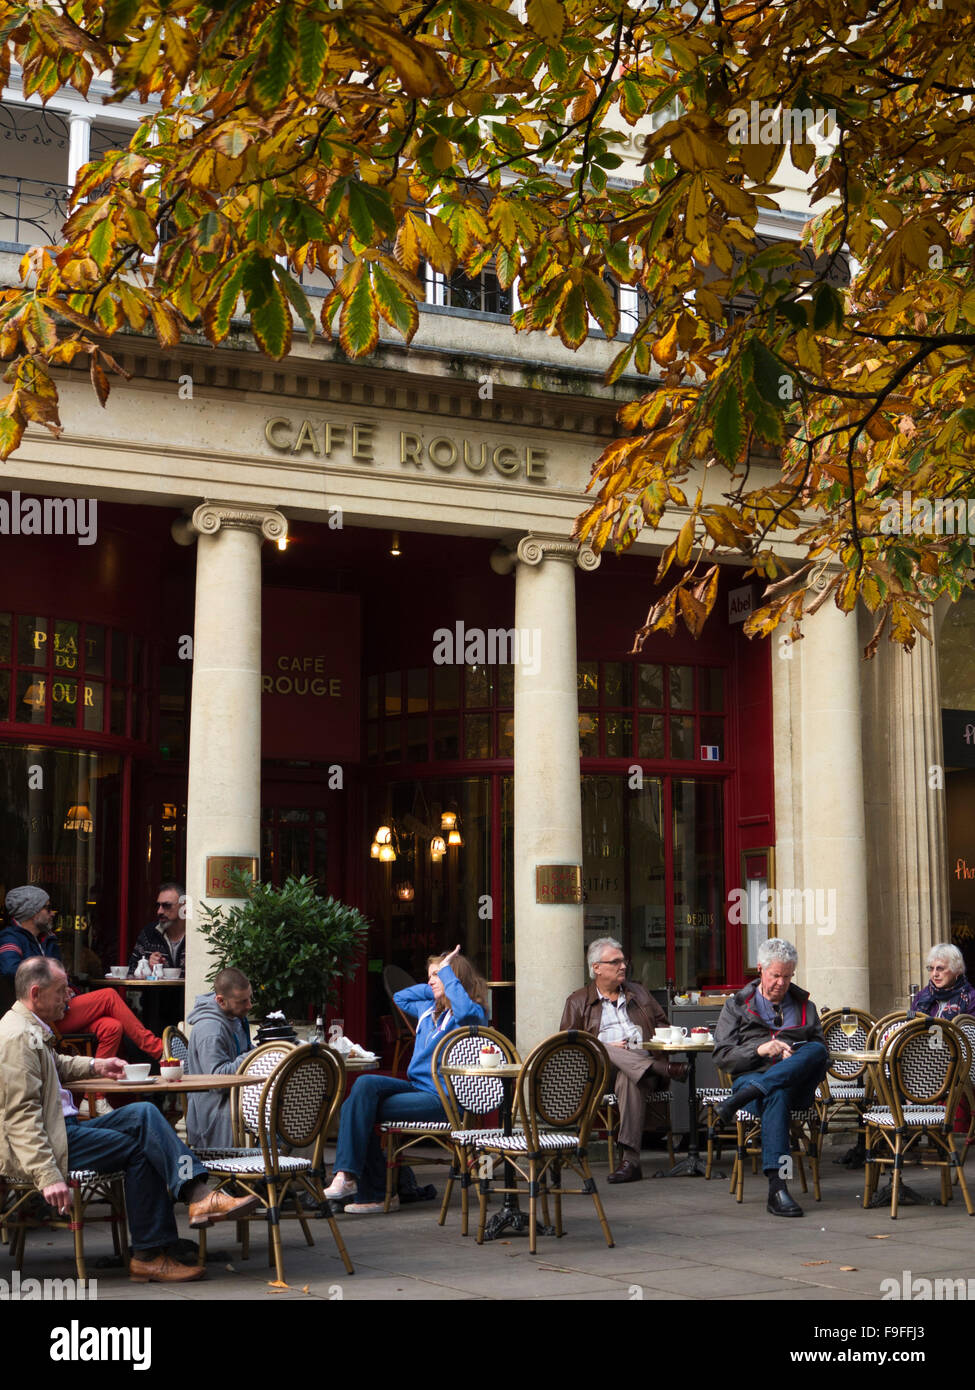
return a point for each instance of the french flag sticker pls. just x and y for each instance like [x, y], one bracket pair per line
[710, 753]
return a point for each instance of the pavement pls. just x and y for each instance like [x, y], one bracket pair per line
[681, 1239]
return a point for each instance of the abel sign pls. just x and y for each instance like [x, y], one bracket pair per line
[310, 657]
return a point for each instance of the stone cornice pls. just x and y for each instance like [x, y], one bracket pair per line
[211, 517]
[533, 549]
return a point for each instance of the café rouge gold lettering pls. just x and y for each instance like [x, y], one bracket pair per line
[443, 453]
[301, 675]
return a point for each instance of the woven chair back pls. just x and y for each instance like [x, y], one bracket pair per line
[259, 1063]
[926, 1063]
[965, 1024]
[468, 1098]
[299, 1098]
[837, 1041]
[175, 1044]
[562, 1085]
[883, 1028]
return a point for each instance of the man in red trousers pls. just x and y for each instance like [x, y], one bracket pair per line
[101, 1012]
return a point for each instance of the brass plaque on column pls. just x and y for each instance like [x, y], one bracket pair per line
[558, 883]
[218, 871]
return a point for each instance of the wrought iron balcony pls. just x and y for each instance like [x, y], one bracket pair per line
[32, 211]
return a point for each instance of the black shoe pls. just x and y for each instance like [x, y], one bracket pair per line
[781, 1204]
[628, 1171]
[724, 1115]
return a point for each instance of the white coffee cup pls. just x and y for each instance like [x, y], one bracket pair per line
[662, 1035]
[169, 973]
[491, 1059]
[119, 972]
[173, 1073]
[137, 1071]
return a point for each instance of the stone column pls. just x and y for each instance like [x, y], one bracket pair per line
[819, 809]
[548, 803]
[224, 795]
[911, 910]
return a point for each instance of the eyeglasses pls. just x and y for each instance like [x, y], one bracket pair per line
[620, 960]
[167, 907]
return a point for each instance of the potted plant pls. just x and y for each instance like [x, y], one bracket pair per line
[293, 945]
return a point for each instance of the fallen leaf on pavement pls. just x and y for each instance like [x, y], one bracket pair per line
[880, 1237]
[848, 1269]
[806, 1263]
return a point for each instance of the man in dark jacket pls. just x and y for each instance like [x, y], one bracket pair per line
[219, 1039]
[771, 1040]
[163, 942]
[621, 1015]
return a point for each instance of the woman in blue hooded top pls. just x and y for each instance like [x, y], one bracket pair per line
[452, 997]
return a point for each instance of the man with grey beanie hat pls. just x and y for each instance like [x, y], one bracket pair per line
[101, 1012]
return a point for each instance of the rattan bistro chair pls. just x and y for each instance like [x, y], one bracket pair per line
[846, 1082]
[175, 1043]
[298, 1103]
[559, 1091]
[467, 1100]
[923, 1073]
[23, 1209]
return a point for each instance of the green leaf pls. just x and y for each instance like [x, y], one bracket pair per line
[767, 373]
[102, 243]
[729, 426]
[359, 324]
[270, 319]
[298, 298]
[312, 53]
[118, 15]
[601, 303]
[827, 308]
[395, 305]
[573, 323]
[218, 312]
[274, 75]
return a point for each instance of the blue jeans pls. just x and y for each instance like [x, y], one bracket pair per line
[374, 1098]
[788, 1085]
[135, 1138]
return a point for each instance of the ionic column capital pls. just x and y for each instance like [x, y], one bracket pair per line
[532, 550]
[211, 517]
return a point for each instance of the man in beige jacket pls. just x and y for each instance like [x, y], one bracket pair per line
[42, 1138]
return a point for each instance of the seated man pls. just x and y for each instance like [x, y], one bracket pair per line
[770, 1039]
[163, 943]
[101, 1011]
[219, 1039]
[42, 1139]
[621, 1014]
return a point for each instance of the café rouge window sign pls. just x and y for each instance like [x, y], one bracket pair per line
[219, 869]
[558, 883]
[355, 442]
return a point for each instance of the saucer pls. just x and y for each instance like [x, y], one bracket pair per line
[135, 1080]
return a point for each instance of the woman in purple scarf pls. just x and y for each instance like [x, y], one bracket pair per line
[949, 992]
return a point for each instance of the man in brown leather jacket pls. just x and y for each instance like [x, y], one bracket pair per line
[621, 1015]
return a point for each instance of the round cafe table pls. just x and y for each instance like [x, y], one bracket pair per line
[155, 1084]
[130, 982]
[693, 1166]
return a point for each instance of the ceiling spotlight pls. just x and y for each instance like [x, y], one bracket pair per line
[394, 546]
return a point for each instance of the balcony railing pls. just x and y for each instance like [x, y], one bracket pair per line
[32, 211]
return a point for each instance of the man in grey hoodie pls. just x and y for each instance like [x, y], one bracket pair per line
[219, 1039]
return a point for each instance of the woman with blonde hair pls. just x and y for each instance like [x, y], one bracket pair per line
[452, 997]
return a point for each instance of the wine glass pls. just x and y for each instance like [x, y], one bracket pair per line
[848, 1022]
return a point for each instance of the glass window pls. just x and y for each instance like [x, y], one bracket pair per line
[617, 685]
[446, 687]
[391, 739]
[117, 714]
[32, 641]
[647, 884]
[94, 649]
[712, 734]
[478, 686]
[66, 654]
[372, 697]
[4, 696]
[446, 740]
[94, 713]
[589, 735]
[31, 706]
[710, 684]
[478, 742]
[699, 926]
[416, 741]
[506, 736]
[587, 679]
[64, 702]
[619, 735]
[119, 655]
[651, 736]
[6, 626]
[682, 737]
[394, 699]
[372, 743]
[506, 685]
[681, 687]
[417, 696]
[650, 681]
